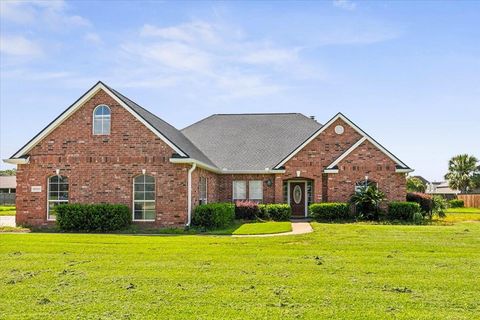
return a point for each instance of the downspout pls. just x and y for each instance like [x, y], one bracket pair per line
[189, 193]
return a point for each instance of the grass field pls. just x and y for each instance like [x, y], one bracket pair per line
[462, 214]
[7, 210]
[263, 228]
[339, 271]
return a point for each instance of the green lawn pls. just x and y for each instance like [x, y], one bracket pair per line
[263, 228]
[339, 271]
[462, 214]
[7, 210]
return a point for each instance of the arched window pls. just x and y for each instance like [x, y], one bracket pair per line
[101, 120]
[144, 198]
[57, 194]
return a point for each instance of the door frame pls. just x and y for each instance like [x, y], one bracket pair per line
[304, 195]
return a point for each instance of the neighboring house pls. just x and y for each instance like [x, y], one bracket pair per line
[424, 181]
[8, 186]
[105, 148]
[441, 189]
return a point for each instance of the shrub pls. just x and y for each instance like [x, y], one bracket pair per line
[93, 217]
[214, 215]
[367, 201]
[329, 211]
[456, 203]
[424, 200]
[263, 212]
[278, 212]
[439, 206]
[417, 218]
[402, 210]
[246, 210]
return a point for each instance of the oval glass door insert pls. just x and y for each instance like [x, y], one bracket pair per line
[297, 194]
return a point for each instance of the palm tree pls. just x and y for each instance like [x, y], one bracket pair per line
[367, 201]
[461, 170]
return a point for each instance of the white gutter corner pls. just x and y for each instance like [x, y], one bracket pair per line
[189, 193]
[17, 160]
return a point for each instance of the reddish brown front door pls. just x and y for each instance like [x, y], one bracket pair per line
[297, 198]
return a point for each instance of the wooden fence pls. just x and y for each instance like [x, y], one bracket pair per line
[471, 200]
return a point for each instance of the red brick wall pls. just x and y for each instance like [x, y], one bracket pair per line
[328, 146]
[102, 168]
[366, 160]
[212, 186]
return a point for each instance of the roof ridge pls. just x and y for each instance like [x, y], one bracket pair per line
[255, 114]
[197, 122]
[122, 96]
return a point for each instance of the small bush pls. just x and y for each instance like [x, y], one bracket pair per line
[402, 210]
[329, 211]
[246, 210]
[263, 212]
[93, 217]
[424, 200]
[278, 212]
[456, 203]
[214, 215]
[440, 204]
[417, 218]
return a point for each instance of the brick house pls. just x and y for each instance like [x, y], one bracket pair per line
[105, 148]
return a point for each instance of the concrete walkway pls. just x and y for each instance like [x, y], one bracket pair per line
[7, 221]
[297, 228]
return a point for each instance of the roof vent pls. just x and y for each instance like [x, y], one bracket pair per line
[312, 117]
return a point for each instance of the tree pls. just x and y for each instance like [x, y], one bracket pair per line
[8, 172]
[461, 170]
[415, 185]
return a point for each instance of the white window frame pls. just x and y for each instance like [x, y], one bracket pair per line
[150, 201]
[250, 184]
[103, 119]
[205, 199]
[55, 201]
[233, 189]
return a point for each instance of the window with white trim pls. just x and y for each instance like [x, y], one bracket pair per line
[144, 198]
[202, 191]
[239, 190]
[101, 120]
[255, 190]
[57, 194]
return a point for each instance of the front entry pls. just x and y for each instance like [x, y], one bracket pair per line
[297, 198]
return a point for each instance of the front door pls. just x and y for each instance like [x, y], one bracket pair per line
[297, 198]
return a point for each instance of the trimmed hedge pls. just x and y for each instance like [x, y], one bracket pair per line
[424, 200]
[214, 215]
[246, 210]
[456, 203]
[93, 217]
[402, 210]
[278, 212]
[329, 211]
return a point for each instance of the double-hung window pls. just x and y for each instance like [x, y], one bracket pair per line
[144, 198]
[202, 190]
[255, 190]
[239, 190]
[57, 194]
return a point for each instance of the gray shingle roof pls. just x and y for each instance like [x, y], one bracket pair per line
[170, 132]
[250, 141]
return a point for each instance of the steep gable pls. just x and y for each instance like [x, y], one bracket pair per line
[172, 137]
